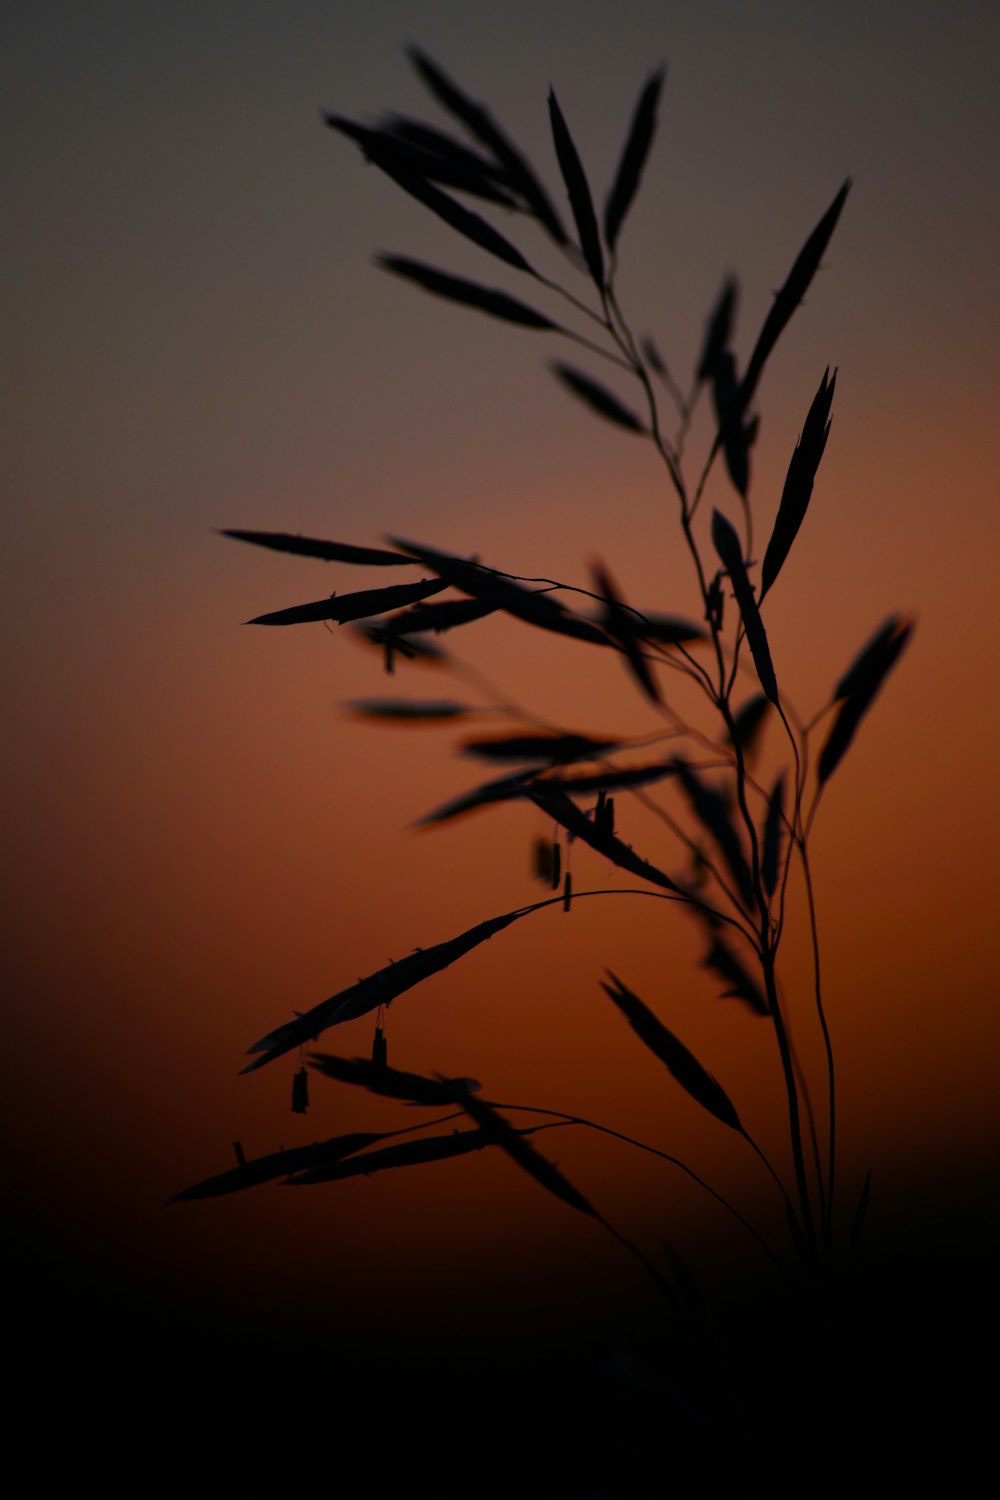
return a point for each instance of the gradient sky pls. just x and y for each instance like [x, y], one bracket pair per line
[199, 841]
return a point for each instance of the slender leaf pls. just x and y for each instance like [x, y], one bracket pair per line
[376, 989]
[554, 749]
[468, 293]
[559, 807]
[727, 545]
[640, 138]
[405, 1154]
[504, 789]
[358, 606]
[307, 546]
[279, 1164]
[741, 986]
[597, 397]
[484, 128]
[390, 1083]
[621, 626]
[672, 1053]
[774, 824]
[455, 214]
[579, 192]
[393, 644]
[859, 687]
[436, 143]
[633, 776]
[536, 607]
[799, 482]
[667, 630]
[409, 709]
[498, 1130]
[791, 294]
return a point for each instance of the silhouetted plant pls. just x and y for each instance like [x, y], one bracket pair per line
[741, 839]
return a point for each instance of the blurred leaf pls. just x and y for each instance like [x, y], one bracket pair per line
[555, 749]
[799, 482]
[718, 332]
[597, 397]
[770, 862]
[791, 294]
[622, 627]
[377, 989]
[640, 138]
[392, 644]
[668, 630]
[437, 144]
[307, 546]
[469, 293]
[559, 807]
[386, 146]
[729, 415]
[504, 789]
[358, 606]
[741, 986]
[727, 545]
[460, 218]
[858, 688]
[481, 125]
[749, 722]
[438, 617]
[675, 1057]
[577, 786]
[408, 708]
[711, 811]
[579, 193]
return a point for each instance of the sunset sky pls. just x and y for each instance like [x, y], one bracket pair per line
[201, 840]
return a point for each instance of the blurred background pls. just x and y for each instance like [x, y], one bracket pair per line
[200, 840]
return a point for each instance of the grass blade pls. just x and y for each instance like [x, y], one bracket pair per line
[307, 546]
[357, 606]
[579, 193]
[391, 1083]
[858, 688]
[729, 415]
[484, 128]
[559, 807]
[791, 294]
[504, 789]
[727, 544]
[536, 607]
[640, 138]
[681, 1064]
[467, 293]
[376, 989]
[860, 1214]
[455, 214]
[597, 397]
[467, 174]
[497, 1130]
[278, 1164]
[406, 1154]
[799, 482]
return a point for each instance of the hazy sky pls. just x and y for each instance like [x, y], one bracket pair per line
[199, 843]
